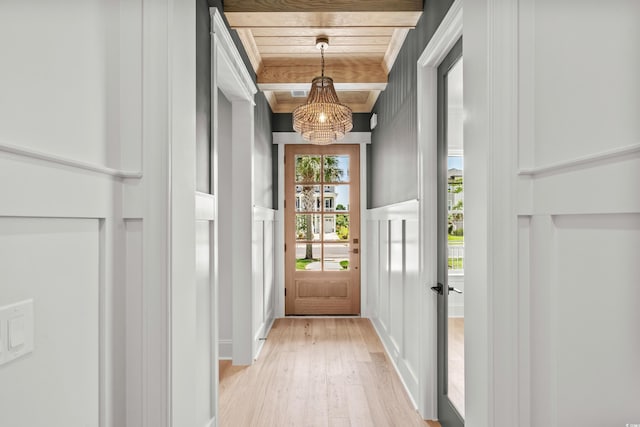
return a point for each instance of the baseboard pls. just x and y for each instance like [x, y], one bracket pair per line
[225, 349]
[383, 340]
[260, 337]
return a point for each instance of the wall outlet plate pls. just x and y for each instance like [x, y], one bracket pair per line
[16, 330]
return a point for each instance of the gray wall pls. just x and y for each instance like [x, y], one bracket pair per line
[283, 122]
[203, 98]
[264, 191]
[394, 148]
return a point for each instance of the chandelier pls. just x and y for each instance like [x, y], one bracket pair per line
[322, 119]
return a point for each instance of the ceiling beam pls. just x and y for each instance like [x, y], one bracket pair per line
[322, 6]
[288, 106]
[322, 19]
[347, 73]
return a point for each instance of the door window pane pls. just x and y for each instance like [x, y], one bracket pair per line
[336, 256]
[308, 227]
[308, 198]
[341, 195]
[308, 168]
[336, 168]
[308, 256]
[336, 227]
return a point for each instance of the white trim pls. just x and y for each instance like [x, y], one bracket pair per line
[279, 238]
[592, 159]
[385, 343]
[447, 34]
[445, 37]
[64, 161]
[235, 81]
[212, 422]
[261, 336]
[364, 312]
[286, 87]
[263, 214]
[205, 206]
[407, 210]
[295, 138]
[281, 139]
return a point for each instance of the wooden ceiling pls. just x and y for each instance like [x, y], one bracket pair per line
[364, 40]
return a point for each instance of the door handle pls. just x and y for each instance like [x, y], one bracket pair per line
[439, 289]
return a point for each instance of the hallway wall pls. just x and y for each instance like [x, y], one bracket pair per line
[260, 165]
[394, 142]
[393, 284]
[97, 168]
[68, 136]
[393, 287]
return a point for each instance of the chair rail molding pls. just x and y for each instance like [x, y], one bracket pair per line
[65, 161]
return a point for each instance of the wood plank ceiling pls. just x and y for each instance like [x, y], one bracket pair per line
[364, 40]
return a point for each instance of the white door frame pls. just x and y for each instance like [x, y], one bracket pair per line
[229, 74]
[443, 39]
[282, 139]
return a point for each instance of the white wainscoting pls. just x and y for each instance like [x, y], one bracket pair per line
[393, 288]
[263, 275]
[57, 263]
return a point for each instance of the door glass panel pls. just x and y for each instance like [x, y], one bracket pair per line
[336, 257]
[341, 195]
[308, 227]
[336, 227]
[455, 238]
[308, 256]
[308, 198]
[336, 168]
[308, 168]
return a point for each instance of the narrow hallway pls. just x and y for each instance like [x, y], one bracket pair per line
[317, 372]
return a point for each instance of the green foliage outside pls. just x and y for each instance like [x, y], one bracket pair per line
[455, 240]
[455, 263]
[342, 226]
[301, 263]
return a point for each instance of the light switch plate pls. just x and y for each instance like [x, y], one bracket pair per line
[16, 330]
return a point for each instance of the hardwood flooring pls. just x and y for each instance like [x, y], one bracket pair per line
[329, 372]
[456, 363]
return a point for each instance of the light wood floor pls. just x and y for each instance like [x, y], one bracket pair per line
[317, 372]
[456, 363]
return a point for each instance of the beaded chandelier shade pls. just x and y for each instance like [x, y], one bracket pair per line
[322, 119]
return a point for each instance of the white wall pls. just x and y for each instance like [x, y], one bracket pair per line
[97, 167]
[225, 286]
[55, 261]
[552, 213]
[393, 287]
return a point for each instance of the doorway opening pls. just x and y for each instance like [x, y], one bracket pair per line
[322, 230]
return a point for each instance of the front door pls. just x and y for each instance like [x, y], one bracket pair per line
[322, 230]
[451, 400]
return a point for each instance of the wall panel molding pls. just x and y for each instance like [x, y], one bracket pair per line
[407, 210]
[64, 161]
[593, 160]
[394, 288]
